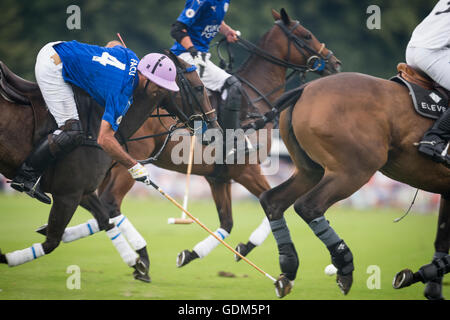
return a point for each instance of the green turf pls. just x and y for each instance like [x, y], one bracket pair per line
[371, 235]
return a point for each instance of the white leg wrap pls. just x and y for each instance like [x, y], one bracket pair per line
[260, 234]
[134, 238]
[22, 256]
[128, 255]
[80, 231]
[206, 246]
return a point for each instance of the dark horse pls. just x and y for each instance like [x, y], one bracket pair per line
[339, 131]
[286, 44]
[73, 180]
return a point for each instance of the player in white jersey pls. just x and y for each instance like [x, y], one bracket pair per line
[429, 51]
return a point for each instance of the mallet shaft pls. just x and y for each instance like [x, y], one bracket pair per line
[209, 231]
[188, 176]
[120, 38]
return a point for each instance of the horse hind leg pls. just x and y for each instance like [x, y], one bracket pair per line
[311, 207]
[433, 289]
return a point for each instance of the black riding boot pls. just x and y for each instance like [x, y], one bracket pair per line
[231, 117]
[28, 177]
[55, 146]
[435, 141]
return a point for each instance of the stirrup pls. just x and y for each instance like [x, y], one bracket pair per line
[32, 191]
[416, 144]
[445, 151]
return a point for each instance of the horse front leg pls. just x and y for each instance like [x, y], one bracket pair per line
[100, 222]
[433, 289]
[112, 191]
[221, 192]
[61, 213]
[275, 202]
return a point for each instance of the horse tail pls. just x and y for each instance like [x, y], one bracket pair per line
[289, 98]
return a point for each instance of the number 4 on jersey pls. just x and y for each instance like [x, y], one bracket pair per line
[106, 59]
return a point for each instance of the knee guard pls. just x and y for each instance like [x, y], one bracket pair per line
[65, 140]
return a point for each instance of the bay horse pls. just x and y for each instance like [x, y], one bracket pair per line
[339, 131]
[286, 45]
[73, 180]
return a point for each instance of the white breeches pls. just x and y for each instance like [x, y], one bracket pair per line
[434, 62]
[58, 95]
[213, 77]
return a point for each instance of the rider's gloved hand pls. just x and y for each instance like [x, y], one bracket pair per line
[196, 55]
[140, 173]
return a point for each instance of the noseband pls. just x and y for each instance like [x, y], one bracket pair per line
[316, 62]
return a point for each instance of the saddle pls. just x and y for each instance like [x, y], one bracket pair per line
[15, 89]
[26, 94]
[429, 98]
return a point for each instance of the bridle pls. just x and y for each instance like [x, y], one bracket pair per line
[316, 62]
[189, 99]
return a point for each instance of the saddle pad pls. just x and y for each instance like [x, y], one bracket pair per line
[428, 103]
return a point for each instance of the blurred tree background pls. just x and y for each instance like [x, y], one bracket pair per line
[26, 26]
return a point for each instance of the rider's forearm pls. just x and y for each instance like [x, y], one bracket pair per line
[224, 28]
[186, 42]
[111, 146]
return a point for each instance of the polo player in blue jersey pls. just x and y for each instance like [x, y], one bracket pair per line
[197, 25]
[110, 75]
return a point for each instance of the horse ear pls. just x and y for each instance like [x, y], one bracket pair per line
[275, 15]
[285, 17]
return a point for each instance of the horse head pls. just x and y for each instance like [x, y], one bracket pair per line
[300, 47]
[191, 103]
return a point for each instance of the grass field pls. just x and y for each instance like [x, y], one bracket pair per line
[371, 235]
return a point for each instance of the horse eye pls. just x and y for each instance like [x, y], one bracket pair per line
[308, 36]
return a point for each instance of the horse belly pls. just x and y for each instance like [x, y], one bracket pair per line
[82, 171]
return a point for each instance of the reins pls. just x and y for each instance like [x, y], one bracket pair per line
[316, 62]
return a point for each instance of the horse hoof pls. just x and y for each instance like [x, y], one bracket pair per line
[141, 267]
[344, 282]
[283, 286]
[403, 279]
[42, 230]
[184, 257]
[242, 249]
[433, 290]
[142, 277]
[3, 258]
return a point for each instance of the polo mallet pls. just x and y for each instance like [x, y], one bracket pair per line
[183, 219]
[120, 38]
[151, 183]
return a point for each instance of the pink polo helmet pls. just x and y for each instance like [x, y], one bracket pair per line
[159, 69]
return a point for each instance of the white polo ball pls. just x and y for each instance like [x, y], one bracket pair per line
[330, 270]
